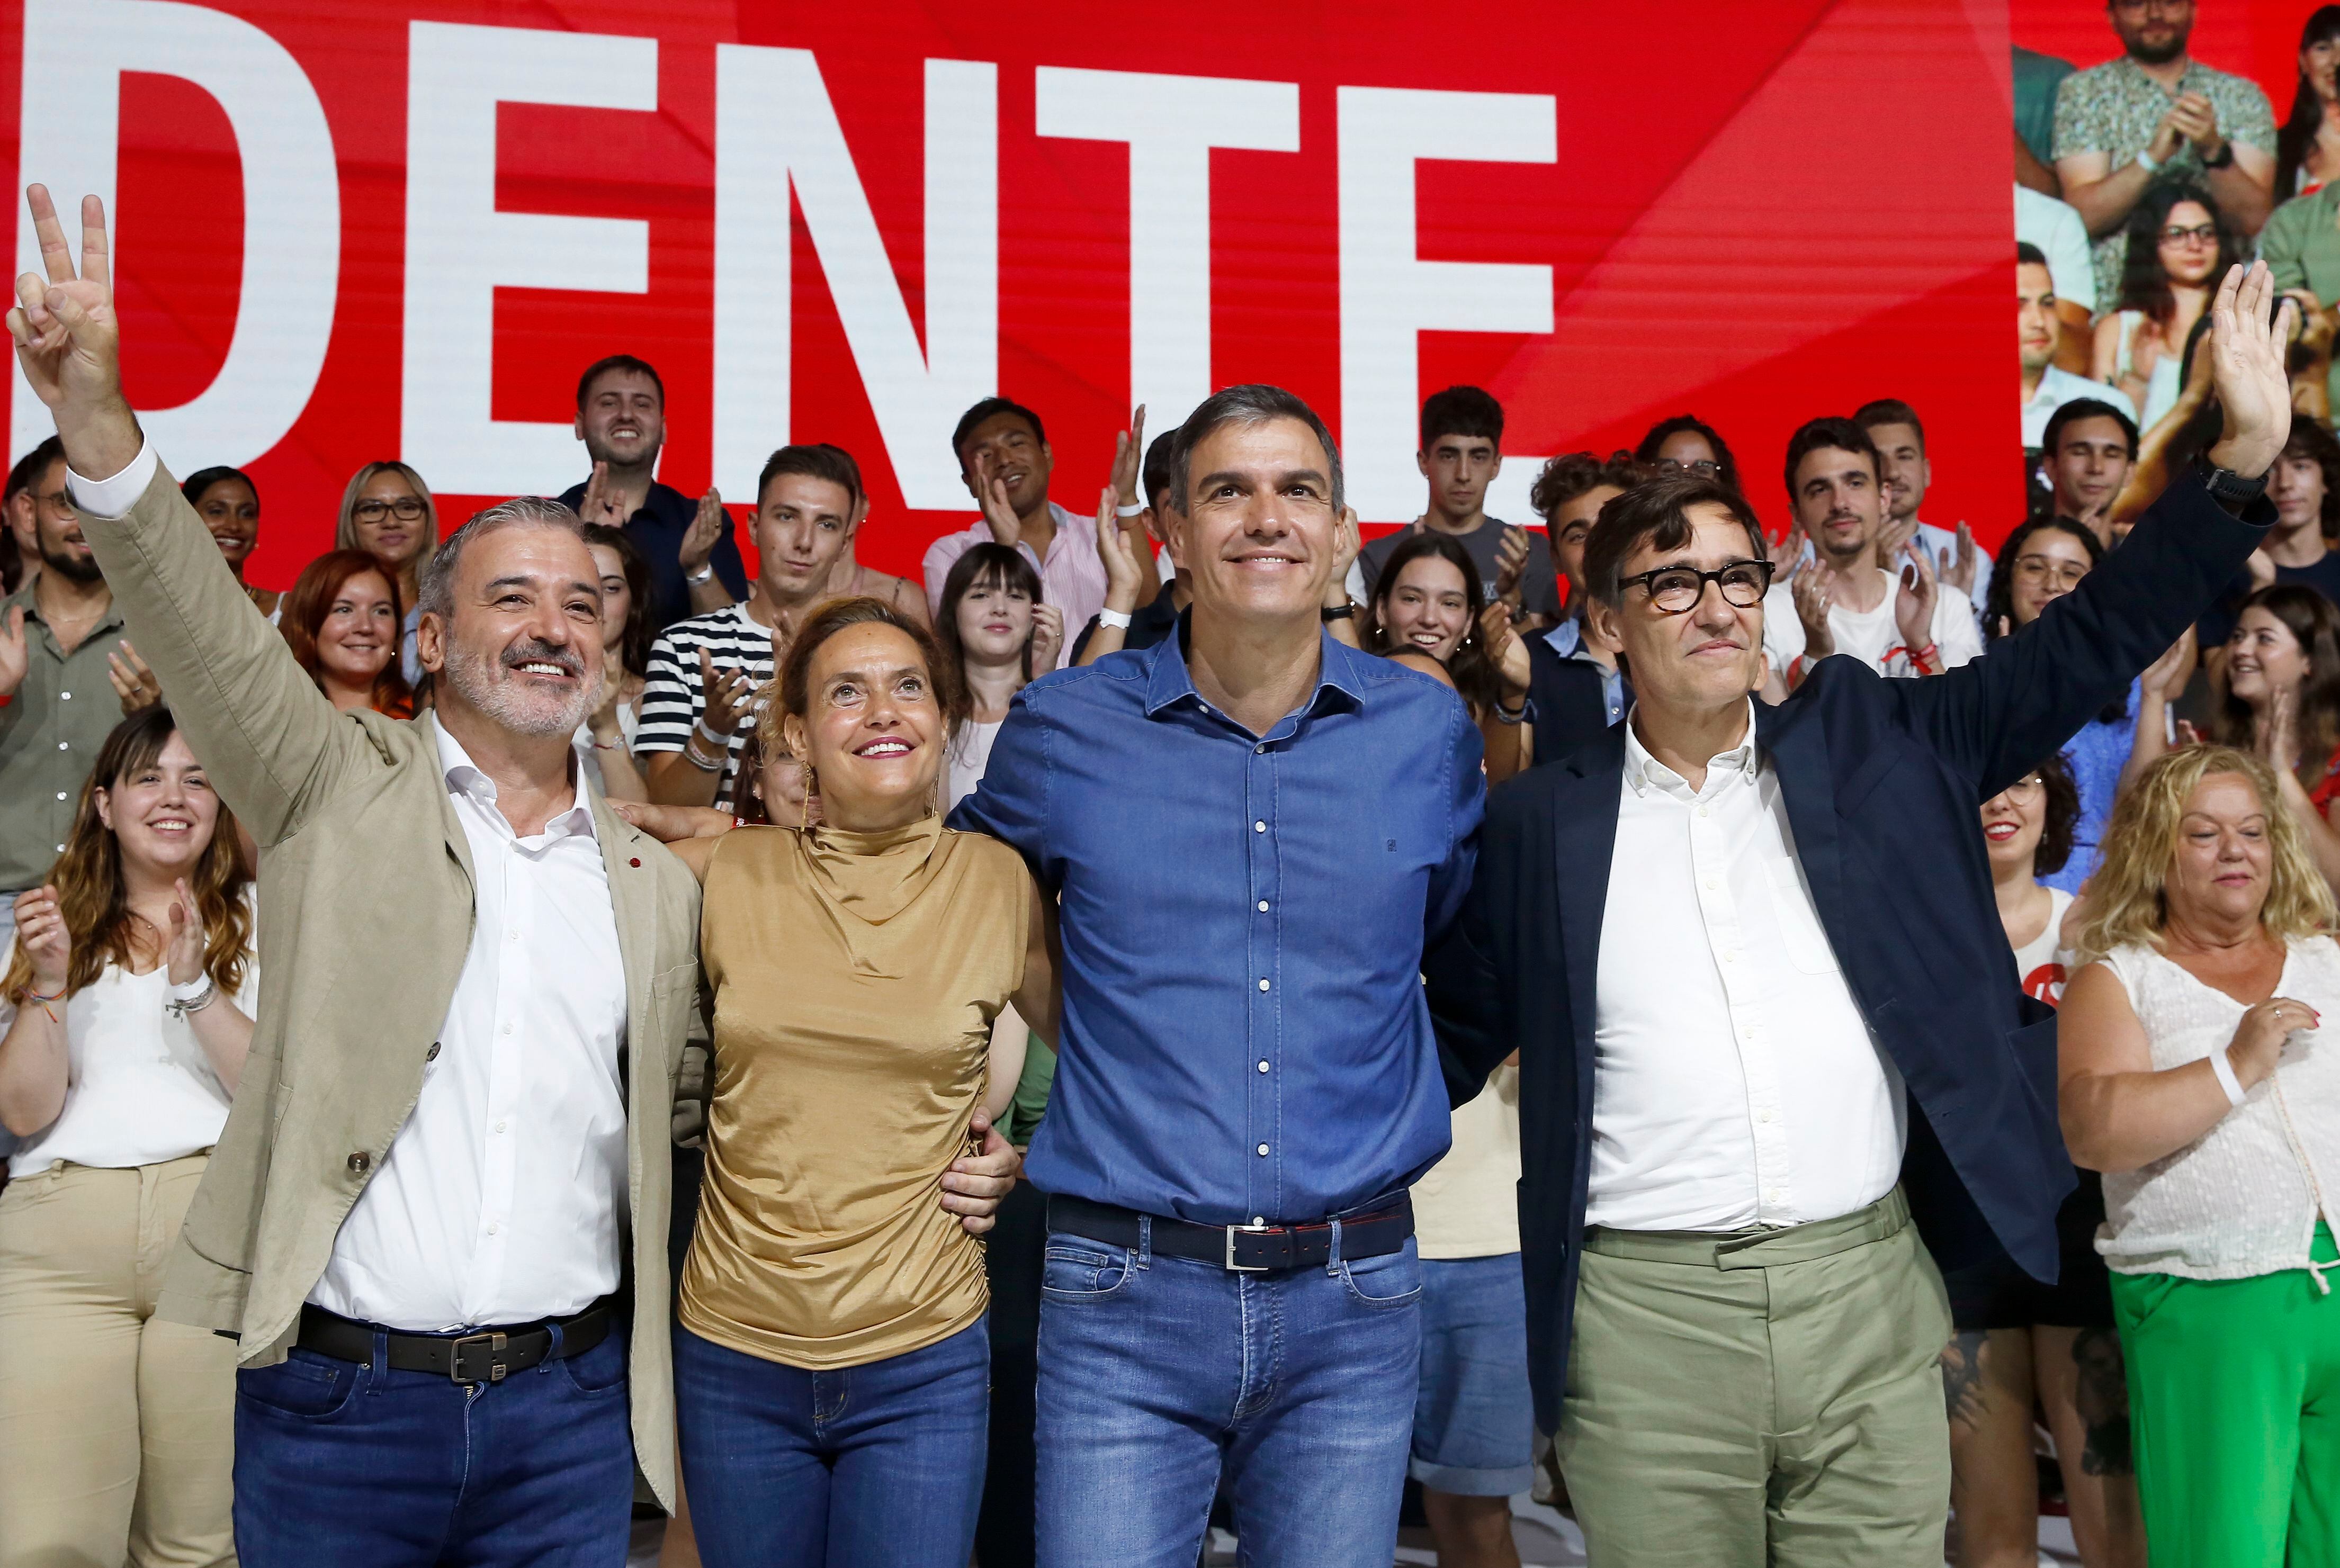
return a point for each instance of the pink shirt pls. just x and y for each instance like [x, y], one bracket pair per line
[1072, 577]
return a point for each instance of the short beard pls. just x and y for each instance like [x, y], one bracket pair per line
[473, 677]
[79, 568]
[600, 453]
[2157, 53]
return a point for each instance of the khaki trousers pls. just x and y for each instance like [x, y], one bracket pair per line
[116, 1428]
[1759, 1397]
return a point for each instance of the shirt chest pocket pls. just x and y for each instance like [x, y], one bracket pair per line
[1799, 924]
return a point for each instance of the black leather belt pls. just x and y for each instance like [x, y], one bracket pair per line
[466, 1358]
[1239, 1248]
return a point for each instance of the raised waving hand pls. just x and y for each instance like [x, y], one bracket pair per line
[2250, 329]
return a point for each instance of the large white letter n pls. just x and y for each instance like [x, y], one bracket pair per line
[775, 127]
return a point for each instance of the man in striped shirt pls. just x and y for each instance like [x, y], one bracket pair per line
[705, 672]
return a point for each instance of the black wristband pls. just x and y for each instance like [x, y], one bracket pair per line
[1337, 612]
[2230, 489]
[2226, 158]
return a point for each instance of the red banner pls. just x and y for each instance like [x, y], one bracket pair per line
[355, 229]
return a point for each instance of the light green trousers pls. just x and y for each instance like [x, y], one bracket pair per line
[1760, 1399]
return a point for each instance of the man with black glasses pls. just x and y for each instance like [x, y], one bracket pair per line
[1770, 1082]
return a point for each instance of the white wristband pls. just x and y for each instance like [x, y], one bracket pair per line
[1112, 618]
[2148, 162]
[1132, 509]
[2225, 1069]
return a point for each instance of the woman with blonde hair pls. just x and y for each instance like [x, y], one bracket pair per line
[2194, 1074]
[124, 1018]
[387, 511]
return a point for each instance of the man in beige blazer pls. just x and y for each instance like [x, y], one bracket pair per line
[437, 1220]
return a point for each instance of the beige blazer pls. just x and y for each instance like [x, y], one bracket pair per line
[365, 889]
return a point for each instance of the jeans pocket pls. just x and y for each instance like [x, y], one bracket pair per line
[600, 1370]
[304, 1385]
[1076, 1271]
[1392, 1280]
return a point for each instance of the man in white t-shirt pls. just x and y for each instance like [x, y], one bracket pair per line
[1841, 601]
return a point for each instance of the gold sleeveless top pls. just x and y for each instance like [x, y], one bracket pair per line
[856, 977]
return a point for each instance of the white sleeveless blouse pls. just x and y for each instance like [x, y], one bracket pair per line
[2243, 1198]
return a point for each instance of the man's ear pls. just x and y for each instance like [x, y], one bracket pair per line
[1421, 462]
[1170, 526]
[431, 641]
[577, 424]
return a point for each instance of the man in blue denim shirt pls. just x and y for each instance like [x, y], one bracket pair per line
[1253, 828]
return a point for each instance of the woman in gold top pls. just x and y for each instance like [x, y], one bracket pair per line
[831, 1366]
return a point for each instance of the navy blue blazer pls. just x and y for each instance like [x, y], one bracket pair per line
[1570, 708]
[1882, 780]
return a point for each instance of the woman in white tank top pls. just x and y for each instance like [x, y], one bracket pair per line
[2195, 1075]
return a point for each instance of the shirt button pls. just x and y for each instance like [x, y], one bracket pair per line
[1256, 750]
[63, 746]
[512, 935]
[1771, 1195]
[1729, 956]
[1701, 811]
[1259, 1219]
[65, 696]
[1263, 1149]
[1262, 1067]
[491, 1229]
[1263, 904]
[1262, 985]
[508, 1028]
[1259, 827]
[61, 795]
[500, 1126]
[1767, 1114]
[361, 1162]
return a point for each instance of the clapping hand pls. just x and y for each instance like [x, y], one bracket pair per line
[1124, 564]
[1814, 590]
[1047, 637]
[2249, 327]
[1913, 600]
[134, 683]
[1957, 568]
[699, 539]
[991, 495]
[729, 692]
[1128, 457]
[183, 957]
[1511, 564]
[15, 652]
[1505, 651]
[42, 936]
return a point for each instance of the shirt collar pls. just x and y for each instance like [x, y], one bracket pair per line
[1170, 682]
[464, 777]
[1565, 638]
[29, 597]
[1645, 773]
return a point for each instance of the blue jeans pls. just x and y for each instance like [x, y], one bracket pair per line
[1155, 1372]
[1474, 1418]
[879, 1465]
[363, 1466]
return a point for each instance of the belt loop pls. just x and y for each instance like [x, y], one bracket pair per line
[1145, 1241]
[551, 1351]
[1332, 1259]
[380, 1354]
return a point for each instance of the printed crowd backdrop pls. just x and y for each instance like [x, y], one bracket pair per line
[356, 229]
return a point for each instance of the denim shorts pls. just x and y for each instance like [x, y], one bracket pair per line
[1474, 1418]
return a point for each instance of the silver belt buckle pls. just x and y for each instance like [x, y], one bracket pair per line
[1236, 1230]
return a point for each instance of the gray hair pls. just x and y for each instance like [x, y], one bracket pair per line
[1254, 403]
[435, 583]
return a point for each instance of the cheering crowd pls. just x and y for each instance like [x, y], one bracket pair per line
[531, 1023]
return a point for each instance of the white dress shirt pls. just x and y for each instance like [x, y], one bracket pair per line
[500, 1201]
[2059, 387]
[1735, 1083]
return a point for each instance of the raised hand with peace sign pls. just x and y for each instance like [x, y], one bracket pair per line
[69, 341]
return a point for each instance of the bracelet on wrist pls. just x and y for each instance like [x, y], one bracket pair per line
[2222, 1067]
[1518, 716]
[701, 578]
[1118, 619]
[2148, 162]
[192, 998]
[1130, 509]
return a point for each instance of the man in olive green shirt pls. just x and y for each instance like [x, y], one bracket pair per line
[56, 704]
[2301, 244]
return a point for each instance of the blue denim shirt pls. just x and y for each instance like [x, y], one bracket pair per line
[1244, 1035]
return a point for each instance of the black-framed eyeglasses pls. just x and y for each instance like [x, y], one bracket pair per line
[1676, 590]
[406, 508]
[2199, 234]
[1704, 467]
